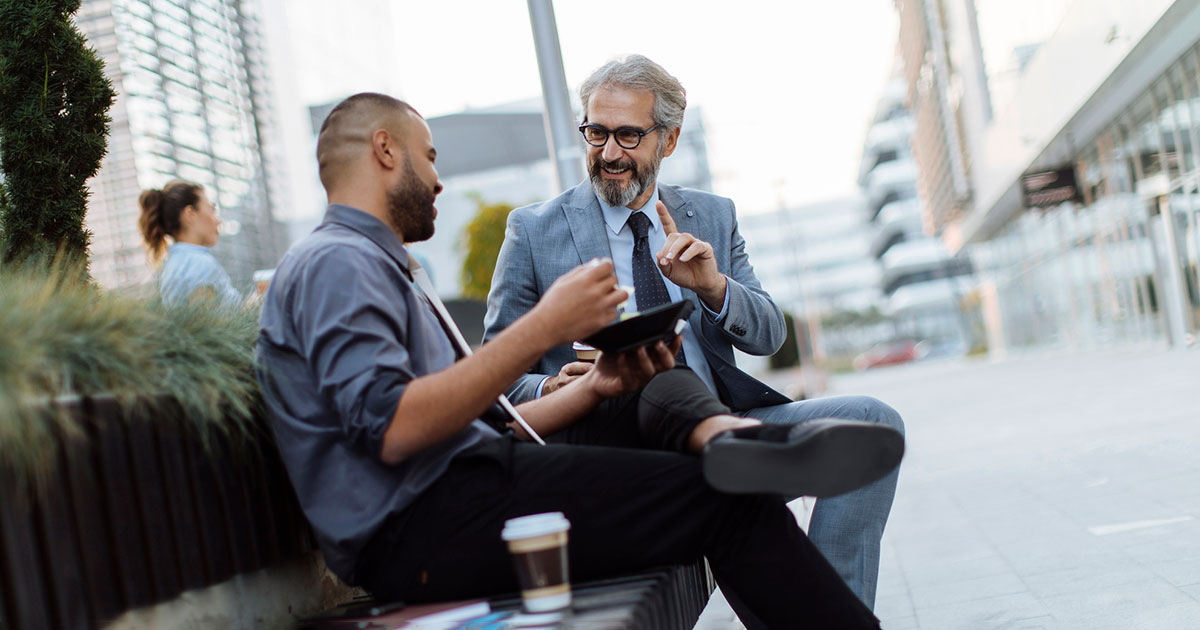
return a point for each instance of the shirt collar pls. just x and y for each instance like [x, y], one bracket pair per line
[189, 247]
[369, 226]
[616, 218]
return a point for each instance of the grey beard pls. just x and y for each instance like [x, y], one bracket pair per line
[610, 191]
[613, 194]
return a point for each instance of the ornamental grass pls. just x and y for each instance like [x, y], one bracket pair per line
[62, 337]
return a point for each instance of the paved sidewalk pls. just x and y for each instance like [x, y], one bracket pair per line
[1055, 490]
[1046, 491]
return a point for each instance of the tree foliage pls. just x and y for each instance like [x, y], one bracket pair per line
[3, 211]
[54, 101]
[484, 235]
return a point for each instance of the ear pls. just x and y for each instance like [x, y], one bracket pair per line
[671, 143]
[384, 148]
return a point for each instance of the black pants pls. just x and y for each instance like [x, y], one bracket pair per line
[661, 416]
[630, 509]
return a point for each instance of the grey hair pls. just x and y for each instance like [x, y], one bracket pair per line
[637, 72]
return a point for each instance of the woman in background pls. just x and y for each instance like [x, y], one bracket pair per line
[182, 211]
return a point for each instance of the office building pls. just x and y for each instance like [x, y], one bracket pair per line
[1084, 209]
[947, 96]
[921, 285]
[192, 103]
[815, 260]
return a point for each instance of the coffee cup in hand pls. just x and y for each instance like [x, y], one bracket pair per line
[538, 544]
[622, 307]
[584, 352]
[262, 278]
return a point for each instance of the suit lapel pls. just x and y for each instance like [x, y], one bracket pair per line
[679, 207]
[586, 220]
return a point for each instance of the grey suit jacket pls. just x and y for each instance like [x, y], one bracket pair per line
[545, 240]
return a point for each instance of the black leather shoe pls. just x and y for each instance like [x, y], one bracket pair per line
[817, 458]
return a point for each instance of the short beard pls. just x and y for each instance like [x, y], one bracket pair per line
[410, 207]
[610, 190]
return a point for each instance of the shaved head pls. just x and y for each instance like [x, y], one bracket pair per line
[376, 154]
[345, 135]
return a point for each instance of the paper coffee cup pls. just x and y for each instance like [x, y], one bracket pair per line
[584, 352]
[262, 278]
[628, 289]
[538, 544]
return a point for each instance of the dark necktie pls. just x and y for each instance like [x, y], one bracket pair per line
[421, 279]
[648, 287]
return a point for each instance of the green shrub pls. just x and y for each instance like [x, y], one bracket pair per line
[483, 237]
[54, 101]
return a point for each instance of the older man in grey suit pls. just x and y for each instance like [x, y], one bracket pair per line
[633, 111]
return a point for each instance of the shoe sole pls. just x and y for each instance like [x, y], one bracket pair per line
[832, 460]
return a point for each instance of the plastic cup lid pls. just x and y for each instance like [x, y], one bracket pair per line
[534, 525]
[579, 345]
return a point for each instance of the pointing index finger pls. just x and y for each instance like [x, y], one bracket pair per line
[668, 223]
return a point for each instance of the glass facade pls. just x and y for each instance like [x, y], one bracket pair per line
[191, 105]
[815, 261]
[1121, 266]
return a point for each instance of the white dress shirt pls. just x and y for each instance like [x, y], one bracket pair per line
[620, 241]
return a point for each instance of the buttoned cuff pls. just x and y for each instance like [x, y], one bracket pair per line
[717, 317]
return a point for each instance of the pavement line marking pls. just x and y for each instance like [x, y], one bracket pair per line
[1104, 530]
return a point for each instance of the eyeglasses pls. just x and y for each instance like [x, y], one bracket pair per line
[627, 137]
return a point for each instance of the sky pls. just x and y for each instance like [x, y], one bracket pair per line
[786, 88]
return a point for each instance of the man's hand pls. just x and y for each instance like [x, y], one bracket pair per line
[689, 262]
[630, 371]
[580, 302]
[568, 373]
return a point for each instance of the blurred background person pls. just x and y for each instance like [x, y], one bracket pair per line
[180, 210]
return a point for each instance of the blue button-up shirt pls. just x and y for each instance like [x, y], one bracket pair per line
[190, 267]
[620, 242]
[343, 333]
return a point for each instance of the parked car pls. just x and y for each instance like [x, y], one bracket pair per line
[887, 353]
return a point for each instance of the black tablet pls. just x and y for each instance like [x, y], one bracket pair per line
[648, 326]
